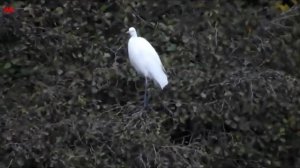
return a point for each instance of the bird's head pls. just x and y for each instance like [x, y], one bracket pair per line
[132, 32]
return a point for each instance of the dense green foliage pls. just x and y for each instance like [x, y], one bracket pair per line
[69, 97]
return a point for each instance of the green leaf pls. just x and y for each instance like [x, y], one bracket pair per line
[7, 65]
[59, 10]
[172, 47]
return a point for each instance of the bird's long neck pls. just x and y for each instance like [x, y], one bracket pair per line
[133, 34]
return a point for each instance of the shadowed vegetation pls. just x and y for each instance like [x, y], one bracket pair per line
[69, 97]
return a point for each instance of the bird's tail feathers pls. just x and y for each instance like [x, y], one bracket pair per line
[160, 77]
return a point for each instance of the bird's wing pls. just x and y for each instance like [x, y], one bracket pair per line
[150, 51]
[155, 67]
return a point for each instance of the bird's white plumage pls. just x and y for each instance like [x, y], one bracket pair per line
[145, 59]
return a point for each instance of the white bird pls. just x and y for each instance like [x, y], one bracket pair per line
[146, 61]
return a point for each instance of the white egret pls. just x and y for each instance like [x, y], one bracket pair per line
[146, 61]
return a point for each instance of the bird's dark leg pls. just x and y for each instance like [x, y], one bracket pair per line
[145, 94]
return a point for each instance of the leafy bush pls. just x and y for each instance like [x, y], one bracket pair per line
[69, 97]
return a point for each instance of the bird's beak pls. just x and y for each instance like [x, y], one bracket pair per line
[127, 31]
